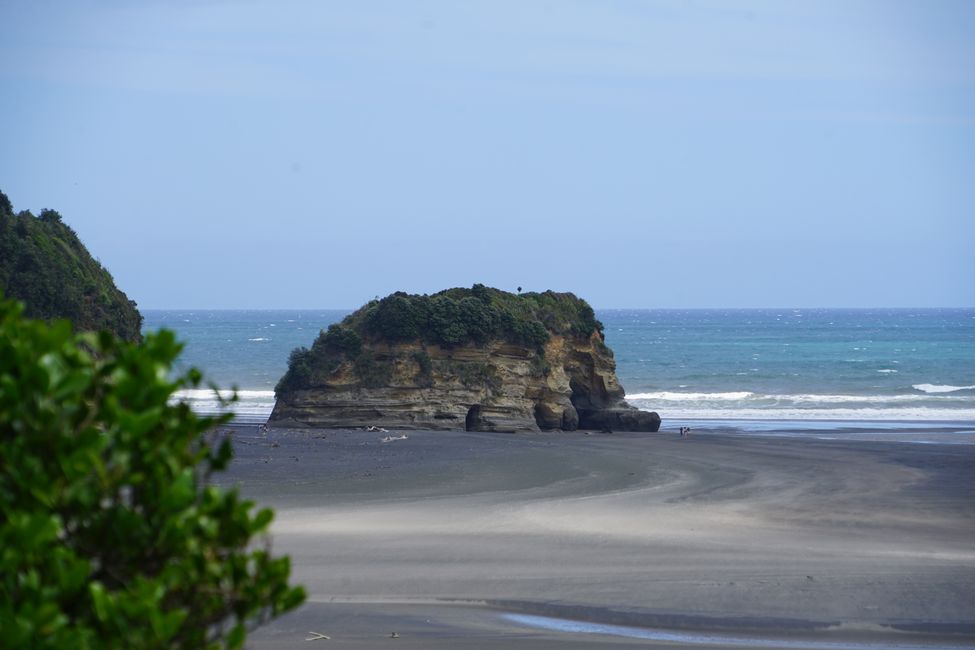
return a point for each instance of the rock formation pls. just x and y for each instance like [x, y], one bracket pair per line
[475, 359]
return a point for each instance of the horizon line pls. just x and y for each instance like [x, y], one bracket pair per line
[351, 309]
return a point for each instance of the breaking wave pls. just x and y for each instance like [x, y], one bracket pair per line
[251, 405]
[206, 393]
[931, 405]
[934, 388]
[680, 397]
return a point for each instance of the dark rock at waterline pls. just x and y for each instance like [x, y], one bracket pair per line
[620, 419]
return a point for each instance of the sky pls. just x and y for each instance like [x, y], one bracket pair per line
[657, 153]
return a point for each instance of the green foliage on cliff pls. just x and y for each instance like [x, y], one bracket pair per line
[311, 367]
[474, 375]
[110, 534]
[424, 363]
[476, 315]
[450, 318]
[372, 372]
[45, 265]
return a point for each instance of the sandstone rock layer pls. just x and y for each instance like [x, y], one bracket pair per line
[497, 387]
[567, 383]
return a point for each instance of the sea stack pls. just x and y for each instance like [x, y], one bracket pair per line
[476, 359]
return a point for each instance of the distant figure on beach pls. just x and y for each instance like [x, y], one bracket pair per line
[263, 429]
[682, 432]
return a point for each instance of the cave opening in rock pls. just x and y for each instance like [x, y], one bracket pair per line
[541, 420]
[580, 400]
[473, 421]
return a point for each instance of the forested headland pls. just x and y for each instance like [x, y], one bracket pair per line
[45, 265]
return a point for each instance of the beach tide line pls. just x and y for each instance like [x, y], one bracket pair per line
[690, 638]
[809, 398]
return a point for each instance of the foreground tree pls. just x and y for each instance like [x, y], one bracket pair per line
[110, 535]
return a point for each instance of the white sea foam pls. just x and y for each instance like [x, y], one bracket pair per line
[887, 371]
[206, 393]
[801, 398]
[259, 338]
[253, 405]
[742, 404]
[849, 399]
[918, 413]
[695, 397]
[934, 388]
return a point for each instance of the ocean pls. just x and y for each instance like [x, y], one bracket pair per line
[741, 368]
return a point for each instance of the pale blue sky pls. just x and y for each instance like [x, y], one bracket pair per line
[642, 154]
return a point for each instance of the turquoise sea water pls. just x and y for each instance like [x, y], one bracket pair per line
[688, 365]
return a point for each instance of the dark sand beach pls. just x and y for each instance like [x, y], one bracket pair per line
[718, 540]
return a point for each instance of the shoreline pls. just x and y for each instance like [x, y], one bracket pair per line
[854, 541]
[953, 432]
[258, 410]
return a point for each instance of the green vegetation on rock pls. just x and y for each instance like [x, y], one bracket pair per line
[476, 315]
[110, 534]
[474, 375]
[45, 265]
[450, 318]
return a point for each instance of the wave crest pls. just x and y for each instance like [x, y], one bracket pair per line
[692, 397]
[935, 388]
[749, 405]
[206, 393]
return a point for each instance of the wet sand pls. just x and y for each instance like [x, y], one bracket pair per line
[723, 539]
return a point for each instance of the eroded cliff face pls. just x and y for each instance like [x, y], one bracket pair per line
[497, 386]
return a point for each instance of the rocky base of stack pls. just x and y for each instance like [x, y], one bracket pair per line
[569, 385]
